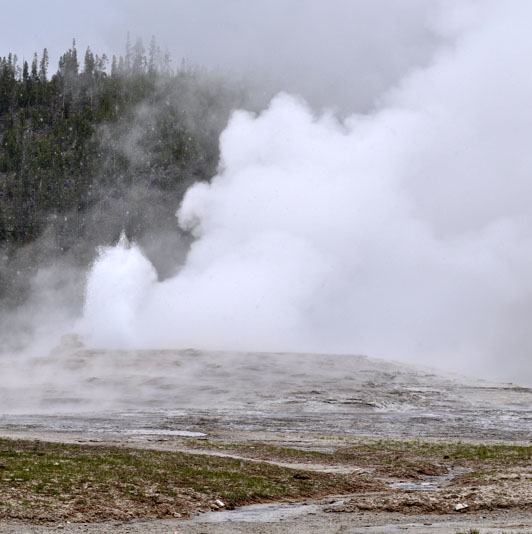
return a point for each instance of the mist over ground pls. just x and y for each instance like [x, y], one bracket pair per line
[399, 228]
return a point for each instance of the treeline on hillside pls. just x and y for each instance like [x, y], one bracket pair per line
[95, 149]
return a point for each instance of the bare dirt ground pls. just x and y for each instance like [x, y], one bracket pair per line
[256, 407]
[302, 520]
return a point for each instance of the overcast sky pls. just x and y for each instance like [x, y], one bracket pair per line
[340, 52]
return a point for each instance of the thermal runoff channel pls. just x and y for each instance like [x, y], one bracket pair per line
[404, 233]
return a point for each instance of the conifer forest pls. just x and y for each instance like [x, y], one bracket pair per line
[99, 147]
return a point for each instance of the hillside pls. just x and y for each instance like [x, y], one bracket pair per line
[97, 148]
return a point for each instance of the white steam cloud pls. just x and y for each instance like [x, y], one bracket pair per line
[406, 233]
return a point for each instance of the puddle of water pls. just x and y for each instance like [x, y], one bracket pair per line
[262, 513]
[430, 483]
[163, 432]
[426, 485]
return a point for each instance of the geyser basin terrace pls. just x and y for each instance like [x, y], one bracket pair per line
[135, 392]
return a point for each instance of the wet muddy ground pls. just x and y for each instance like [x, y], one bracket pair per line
[164, 399]
[142, 392]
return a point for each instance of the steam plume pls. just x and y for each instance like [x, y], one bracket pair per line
[405, 233]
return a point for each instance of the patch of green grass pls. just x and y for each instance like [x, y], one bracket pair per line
[108, 481]
[259, 448]
[385, 453]
[452, 450]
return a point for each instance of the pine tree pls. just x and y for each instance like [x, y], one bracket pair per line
[89, 64]
[166, 68]
[127, 59]
[139, 57]
[114, 67]
[43, 70]
[100, 65]
[68, 63]
[154, 54]
[34, 65]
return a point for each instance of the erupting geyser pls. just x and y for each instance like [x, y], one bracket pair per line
[406, 233]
